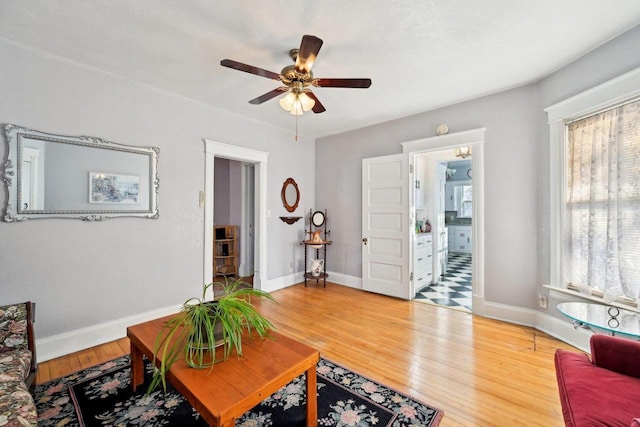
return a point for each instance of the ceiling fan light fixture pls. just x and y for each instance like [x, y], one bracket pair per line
[286, 102]
[306, 101]
[296, 109]
[297, 103]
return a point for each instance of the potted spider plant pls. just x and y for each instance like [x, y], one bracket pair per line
[202, 325]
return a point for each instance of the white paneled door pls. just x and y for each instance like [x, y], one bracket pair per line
[385, 222]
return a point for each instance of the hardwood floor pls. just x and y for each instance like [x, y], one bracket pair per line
[481, 372]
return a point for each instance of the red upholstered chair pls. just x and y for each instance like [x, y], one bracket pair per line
[603, 390]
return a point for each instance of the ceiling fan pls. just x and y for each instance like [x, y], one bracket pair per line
[297, 79]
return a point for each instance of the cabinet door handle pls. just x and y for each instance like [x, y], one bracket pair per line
[468, 240]
[419, 259]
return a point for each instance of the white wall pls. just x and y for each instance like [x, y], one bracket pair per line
[83, 274]
[510, 225]
[89, 273]
[221, 192]
[228, 192]
[611, 60]
[516, 210]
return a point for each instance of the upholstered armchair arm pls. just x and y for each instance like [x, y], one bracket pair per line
[17, 332]
[616, 354]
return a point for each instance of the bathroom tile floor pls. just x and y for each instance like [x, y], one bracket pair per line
[453, 290]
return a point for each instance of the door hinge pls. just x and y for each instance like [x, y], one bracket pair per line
[410, 168]
[411, 277]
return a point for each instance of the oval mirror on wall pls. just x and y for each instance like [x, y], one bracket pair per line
[290, 195]
[317, 219]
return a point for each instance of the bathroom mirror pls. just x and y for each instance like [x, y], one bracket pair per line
[290, 195]
[54, 176]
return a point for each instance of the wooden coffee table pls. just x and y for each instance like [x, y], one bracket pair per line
[238, 384]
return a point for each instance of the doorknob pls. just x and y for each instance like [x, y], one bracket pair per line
[365, 240]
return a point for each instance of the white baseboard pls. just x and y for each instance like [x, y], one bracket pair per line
[283, 282]
[80, 339]
[292, 279]
[345, 280]
[564, 331]
[508, 313]
[91, 336]
[557, 328]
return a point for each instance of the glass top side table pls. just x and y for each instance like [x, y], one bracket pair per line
[611, 319]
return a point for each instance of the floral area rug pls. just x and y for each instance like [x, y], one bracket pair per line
[102, 396]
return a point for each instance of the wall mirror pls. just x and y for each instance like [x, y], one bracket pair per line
[317, 219]
[290, 195]
[53, 176]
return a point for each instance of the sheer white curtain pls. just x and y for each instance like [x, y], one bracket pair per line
[602, 223]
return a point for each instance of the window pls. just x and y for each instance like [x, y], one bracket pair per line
[464, 200]
[594, 192]
[602, 203]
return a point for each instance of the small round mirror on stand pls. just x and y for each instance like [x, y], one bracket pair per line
[290, 195]
[317, 219]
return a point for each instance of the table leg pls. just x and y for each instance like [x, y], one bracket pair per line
[137, 367]
[312, 401]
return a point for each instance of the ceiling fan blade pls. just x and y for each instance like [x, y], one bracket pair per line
[318, 107]
[353, 83]
[309, 48]
[269, 95]
[249, 69]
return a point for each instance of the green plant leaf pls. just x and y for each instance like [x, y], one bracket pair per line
[191, 333]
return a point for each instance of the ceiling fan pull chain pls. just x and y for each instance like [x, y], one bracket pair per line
[296, 128]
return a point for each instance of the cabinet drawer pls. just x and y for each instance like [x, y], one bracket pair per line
[424, 240]
[422, 279]
[463, 248]
[422, 257]
[463, 241]
[423, 245]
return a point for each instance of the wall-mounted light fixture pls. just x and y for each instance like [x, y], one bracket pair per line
[463, 152]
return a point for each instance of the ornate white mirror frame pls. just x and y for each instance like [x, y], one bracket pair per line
[54, 176]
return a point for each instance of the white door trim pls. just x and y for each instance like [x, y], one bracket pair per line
[247, 237]
[474, 138]
[215, 149]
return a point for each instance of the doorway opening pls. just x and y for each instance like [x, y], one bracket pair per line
[249, 212]
[234, 217]
[438, 154]
[452, 200]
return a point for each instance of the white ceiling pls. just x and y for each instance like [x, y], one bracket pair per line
[419, 54]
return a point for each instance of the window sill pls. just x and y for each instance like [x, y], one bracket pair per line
[598, 299]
